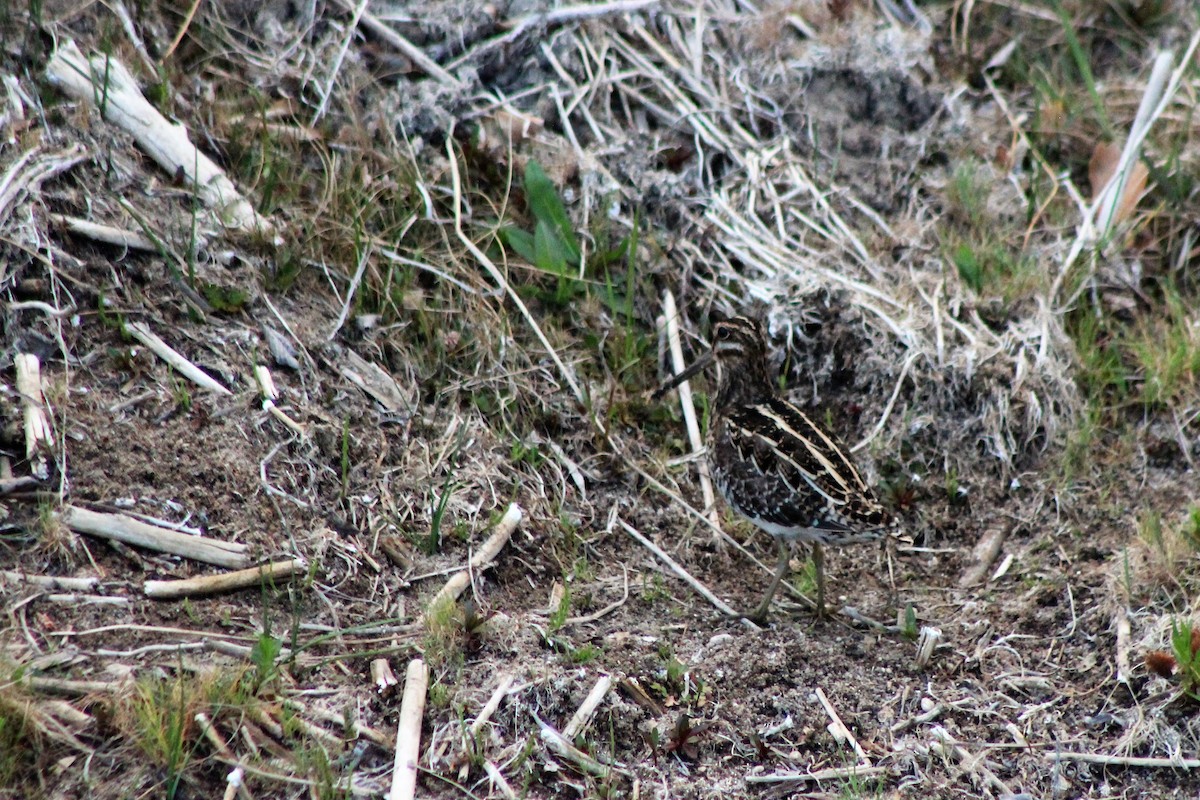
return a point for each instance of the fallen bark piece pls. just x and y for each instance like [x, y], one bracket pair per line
[141, 534]
[226, 582]
[9, 485]
[372, 379]
[38, 433]
[106, 84]
[27, 173]
[382, 675]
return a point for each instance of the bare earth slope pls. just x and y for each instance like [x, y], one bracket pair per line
[899, 193]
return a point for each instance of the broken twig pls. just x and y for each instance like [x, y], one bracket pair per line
[481, 557]
[408, 732]
[226, 582]
[131, 531]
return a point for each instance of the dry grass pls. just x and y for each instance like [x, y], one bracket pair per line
[902, 195]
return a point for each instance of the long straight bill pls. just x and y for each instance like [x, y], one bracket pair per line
[697, 365]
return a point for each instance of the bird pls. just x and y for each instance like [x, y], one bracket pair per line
[776, 466]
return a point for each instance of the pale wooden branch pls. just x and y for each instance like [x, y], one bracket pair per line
[1125, 761]
[986, 550]
[173, 358]
[408, 731]
[498, 780]
[684, 390]
[134, 532]
[481, 557]
[234, 782]
[105, 234]
[299, 718]
[222, 747]
[686, 576]
[836, 774]
[559, 745]
[38, 432]
[270, 394]
[29, 171]
[242, 651]
[930, 712]
[404, 46]
[492, 704]
[72, 688]
[1124, 646]
[9, 485]
[583, 714]
[838, 730]
[226, 582]
[76, 599]
[52, 581]
[107, 85]
[973, 764]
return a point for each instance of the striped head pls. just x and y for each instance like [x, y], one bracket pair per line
[738, 340]
[740, 350]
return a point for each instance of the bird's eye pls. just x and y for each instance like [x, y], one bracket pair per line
[723, 333]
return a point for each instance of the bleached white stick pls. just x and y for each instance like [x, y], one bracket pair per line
[484, 555]
[270, 394]
[838, 730]
[671, 315]
[52, 581]
[226, 582]
[1126, 761]
[834, 774]
[583, 715]
[408, 732]
[492, 704]
[686, 576]
[107, 85]
[103, 233]
[168, 354]
[140, 534]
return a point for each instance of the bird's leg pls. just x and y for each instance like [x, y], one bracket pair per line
[890, 551]
[760, 613]
[818, 559]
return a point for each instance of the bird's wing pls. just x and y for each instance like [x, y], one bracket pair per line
[782, 441]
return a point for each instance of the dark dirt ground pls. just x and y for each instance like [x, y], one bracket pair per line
[1027, 663]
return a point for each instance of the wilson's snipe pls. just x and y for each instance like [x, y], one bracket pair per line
[774, 465]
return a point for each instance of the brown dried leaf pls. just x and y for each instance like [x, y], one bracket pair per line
[1101, 168]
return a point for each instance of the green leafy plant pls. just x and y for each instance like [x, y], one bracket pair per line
[558, 617]
[224, 299]
[909, 628]
[1185, 644]
[1183, 662]
[264, 655]
[552, 244]
[433, 541]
